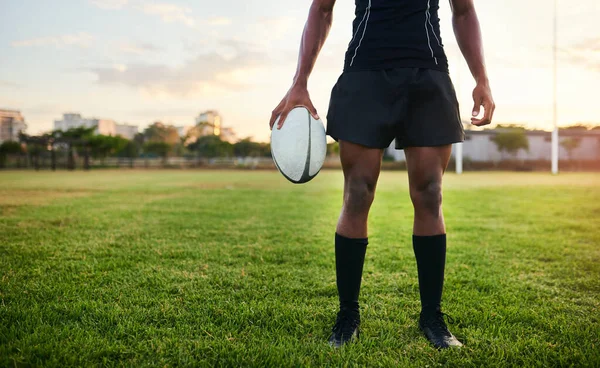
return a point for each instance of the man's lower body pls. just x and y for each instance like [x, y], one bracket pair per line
[368, 110]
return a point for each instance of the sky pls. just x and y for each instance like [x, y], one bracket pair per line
[139, 61]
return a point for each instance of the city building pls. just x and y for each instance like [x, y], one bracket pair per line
[210, 116]
[126, 131]
[210, 119]
[211, 123]
[183, 130]
[103, 126]
[228, 134]
[479, 146]
[71, 121]
[11, 124]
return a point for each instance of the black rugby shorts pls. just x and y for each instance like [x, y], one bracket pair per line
[415, 106]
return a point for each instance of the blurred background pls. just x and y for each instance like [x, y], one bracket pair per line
[162, 74]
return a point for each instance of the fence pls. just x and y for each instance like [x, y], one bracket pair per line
[266, 163]
[45, 162]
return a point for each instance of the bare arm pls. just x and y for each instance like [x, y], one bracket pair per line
[315, 33]
[468, 36]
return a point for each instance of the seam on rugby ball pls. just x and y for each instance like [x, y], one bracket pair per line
[281, 171]
[306, 173]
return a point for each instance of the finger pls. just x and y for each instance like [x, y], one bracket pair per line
[274, 116]
[276, 112]
[488, 110]
[492, 109]
[313, 111]
[476, 107]
[479, 121]
[478, 102]
[282, 118]
[272, 120]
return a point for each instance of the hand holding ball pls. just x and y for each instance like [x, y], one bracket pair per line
[299, 147]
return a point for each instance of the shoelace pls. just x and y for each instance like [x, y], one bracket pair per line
[438, 321]
[344, 324]
[448, 317]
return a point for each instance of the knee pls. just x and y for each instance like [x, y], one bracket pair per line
[360, 193]
[427, 196]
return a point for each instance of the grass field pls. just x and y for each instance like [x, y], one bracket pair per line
[207, 268]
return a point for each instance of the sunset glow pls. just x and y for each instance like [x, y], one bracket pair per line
[138, 61]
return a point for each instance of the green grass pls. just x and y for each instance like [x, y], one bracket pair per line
[187, 268]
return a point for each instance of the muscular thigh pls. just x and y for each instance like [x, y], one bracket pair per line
[360, 162]
[426, 165]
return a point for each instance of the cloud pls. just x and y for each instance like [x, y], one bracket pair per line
[204, 73]
[588, 62]
[137, 48]
[9, 85]
[9, 102]
[120, 67]
[279, 27]
[585, 53]
[44, 109]
[109, 4]
[219, 21]
[169, 13]
[81, 39]
[589, 45]
[160, 112]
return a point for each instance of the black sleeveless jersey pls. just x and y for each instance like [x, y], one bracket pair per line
[396, 34]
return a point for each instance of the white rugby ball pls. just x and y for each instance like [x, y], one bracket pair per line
[300, 146]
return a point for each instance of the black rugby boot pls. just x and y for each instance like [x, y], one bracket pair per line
[346, 328]
[435, 329]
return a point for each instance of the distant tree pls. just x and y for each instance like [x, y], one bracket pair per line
[76, 139]
[333, 148]
[266, 150]
[178, 149]
[596, 127]
[139, 139]
[160, 149]
[199, 130]
[511, 141]
[130, 150]
[570, 144]
[103, 146]
[510, 126]
[34, 147]
[247, 148]
[75, 133]
[159, 132]
[98, 146]
[211, 146]
[9, 148]
[578, 126]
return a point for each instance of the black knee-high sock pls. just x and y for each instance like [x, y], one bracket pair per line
[430, 252]
[349, 260]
